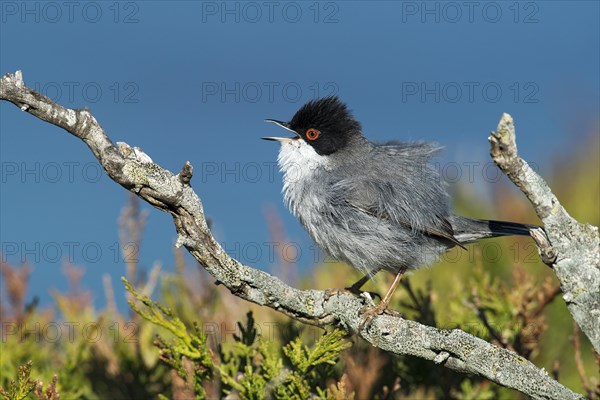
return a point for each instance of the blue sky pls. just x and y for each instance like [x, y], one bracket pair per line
[194, 81]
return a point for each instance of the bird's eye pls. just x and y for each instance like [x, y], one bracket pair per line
[312, 134]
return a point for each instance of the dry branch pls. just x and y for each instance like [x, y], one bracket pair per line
[572, 249]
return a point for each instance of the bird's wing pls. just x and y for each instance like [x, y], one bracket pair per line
[422, 209]
[444, 231]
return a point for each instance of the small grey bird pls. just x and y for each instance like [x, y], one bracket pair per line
[374, 206]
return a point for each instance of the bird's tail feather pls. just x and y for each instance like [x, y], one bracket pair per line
[470, 229]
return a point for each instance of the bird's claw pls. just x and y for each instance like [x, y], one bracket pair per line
[369, 313]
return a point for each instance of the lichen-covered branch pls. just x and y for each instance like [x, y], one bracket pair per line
[135, 171]
[572, 249]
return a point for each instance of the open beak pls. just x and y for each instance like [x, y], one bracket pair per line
[284, 125]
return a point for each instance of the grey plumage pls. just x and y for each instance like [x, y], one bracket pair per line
[374, 206]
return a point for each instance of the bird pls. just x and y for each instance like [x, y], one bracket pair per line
[375, 206]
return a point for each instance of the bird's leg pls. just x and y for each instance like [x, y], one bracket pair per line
[354, 289]
[371, 312]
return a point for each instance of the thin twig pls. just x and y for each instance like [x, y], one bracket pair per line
[579, 363]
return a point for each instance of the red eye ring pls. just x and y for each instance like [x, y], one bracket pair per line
[312, 134]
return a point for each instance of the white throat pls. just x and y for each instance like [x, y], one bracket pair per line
[298, 161]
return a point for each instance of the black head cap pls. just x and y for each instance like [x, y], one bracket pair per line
[326, 124]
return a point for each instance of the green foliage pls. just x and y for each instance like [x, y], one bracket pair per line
[469, 391]
[306, 364]
[184, 346]
[251, 368]
[22, 387]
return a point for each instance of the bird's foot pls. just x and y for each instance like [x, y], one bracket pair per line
[356, 291]
[369, 313]
[334, 292]
[350, 289]
[373, 295]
